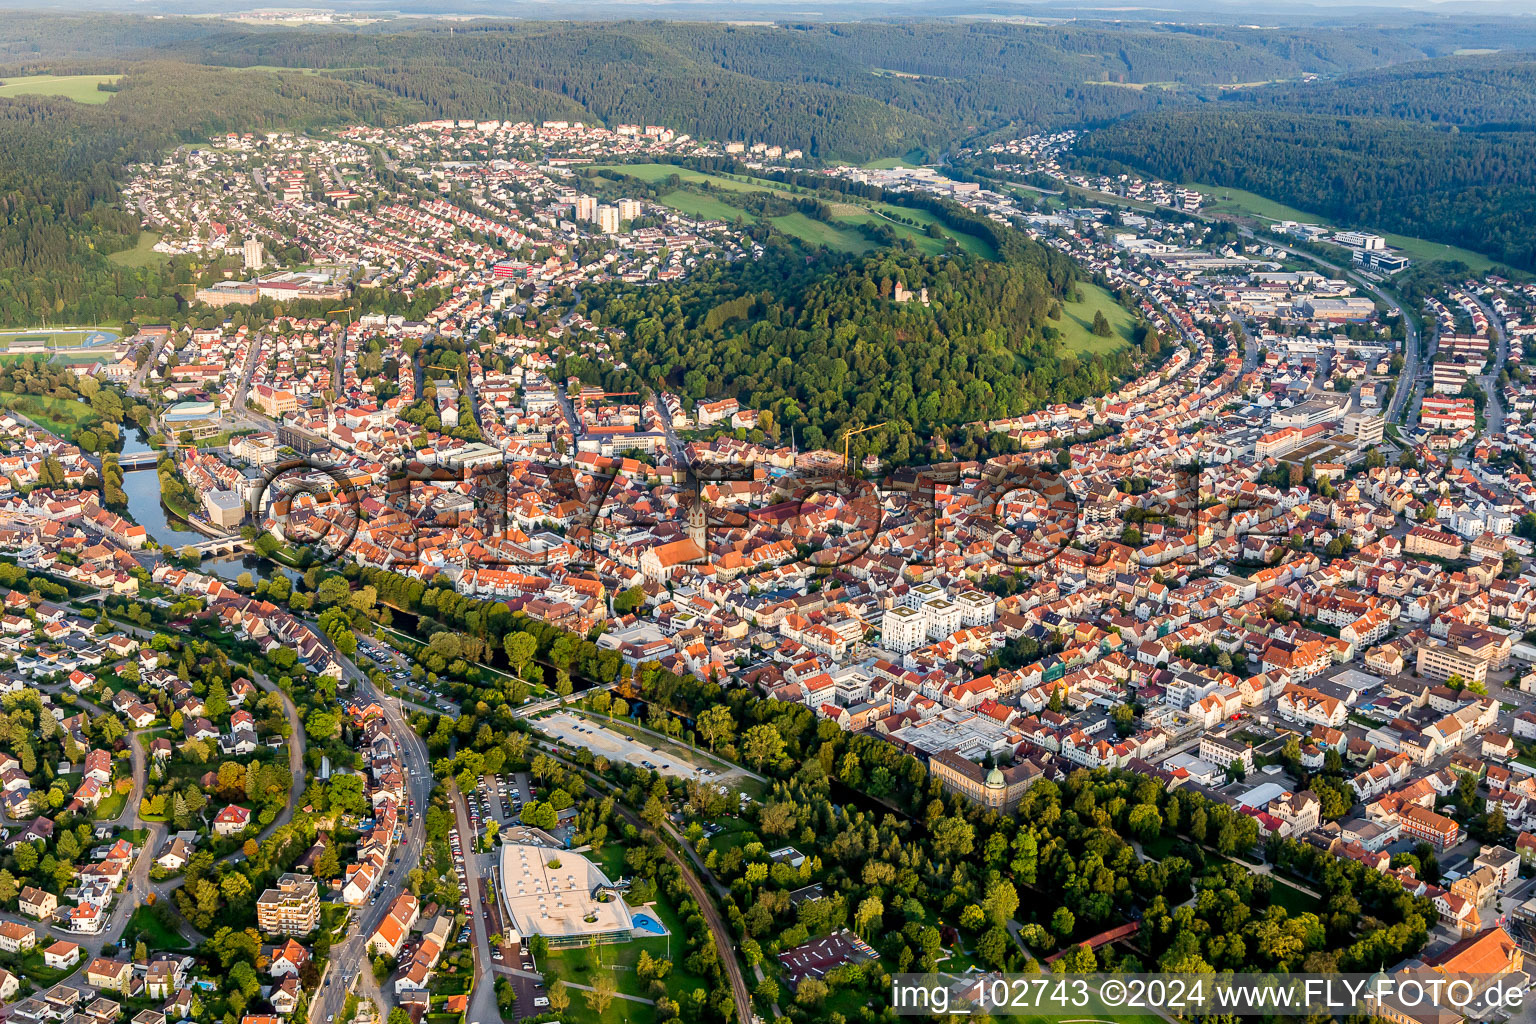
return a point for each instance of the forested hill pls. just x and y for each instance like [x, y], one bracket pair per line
[849, 90]
[1472, 189]
[826, 346]
[1491, 91]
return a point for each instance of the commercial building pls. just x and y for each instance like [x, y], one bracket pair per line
[1377, 259]
[1360, 240]
[1368, 429]
[197, 419]
[1438, 662]
[560, 895]
[224, 509]
[228, 293]
[1351, 307]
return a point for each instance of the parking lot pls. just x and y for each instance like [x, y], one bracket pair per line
[582, 732]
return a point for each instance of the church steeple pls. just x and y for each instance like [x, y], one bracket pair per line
[697, 525]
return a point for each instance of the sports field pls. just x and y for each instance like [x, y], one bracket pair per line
[57, 338]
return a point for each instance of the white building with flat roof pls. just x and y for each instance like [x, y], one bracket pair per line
[903, 629]
[560, 895]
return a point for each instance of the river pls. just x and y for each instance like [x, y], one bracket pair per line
[164, 527]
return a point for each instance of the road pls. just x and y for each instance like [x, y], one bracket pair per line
[247, 371]
[298, 743]
[482, 1000]
[1493, 413]
[137, 878]
[349, 954]
[541, 706]
[136, 383]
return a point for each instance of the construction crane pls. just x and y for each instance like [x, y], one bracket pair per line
[851, 433]
[347, 310]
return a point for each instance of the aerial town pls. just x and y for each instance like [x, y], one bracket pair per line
[456, 678]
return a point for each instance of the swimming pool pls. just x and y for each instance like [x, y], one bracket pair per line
[647, 923]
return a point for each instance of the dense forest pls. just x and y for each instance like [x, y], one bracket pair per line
[824, 345]
[847, 90]
[1467, 188]
[1489, 92]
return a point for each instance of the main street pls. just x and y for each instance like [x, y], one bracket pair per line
[348, 958]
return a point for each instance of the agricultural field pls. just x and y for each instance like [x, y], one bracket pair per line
[652, 173]
[815, 232]
[843, 236]
[80, 88]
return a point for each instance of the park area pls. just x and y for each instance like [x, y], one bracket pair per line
[582, 965]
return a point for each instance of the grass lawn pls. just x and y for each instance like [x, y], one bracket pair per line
[697, 204]
[652, 173]
[736, 833]
[1293, 899]
[1076, 324]
[110, 807]
[39, 973]
[620, 1011]
[815, 232]
[80, 88]
[142, 254]
[582, 964]
[1160, 846]
[144, 925]
[59, 415]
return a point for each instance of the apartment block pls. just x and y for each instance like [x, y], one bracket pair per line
[293, 908]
